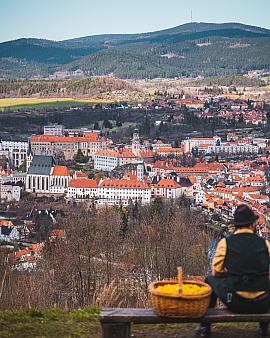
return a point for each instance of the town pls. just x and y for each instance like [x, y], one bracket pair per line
[86, 167]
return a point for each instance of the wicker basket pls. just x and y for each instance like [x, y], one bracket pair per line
[179, 305]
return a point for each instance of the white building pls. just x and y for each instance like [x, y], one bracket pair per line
[234, 148]
[200, 197]
[44, 177]
[68, 146]
[107, 160]
[19, 177]
[167, 188]
[82, 188]
[8, 231]
[120, 192]
[200, 143]
[160, 145]
[109, 191]
[53, 129]
[59, 179]
[10, 191]
[16, 150]
[38, 175]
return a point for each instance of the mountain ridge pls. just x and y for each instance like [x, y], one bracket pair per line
[41, 57]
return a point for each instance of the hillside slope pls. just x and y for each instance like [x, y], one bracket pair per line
[88, 87]
[190, 49]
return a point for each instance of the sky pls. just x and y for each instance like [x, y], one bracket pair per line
[64, 19]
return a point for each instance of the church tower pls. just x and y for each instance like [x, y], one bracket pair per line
[136, 145]
[29, 157]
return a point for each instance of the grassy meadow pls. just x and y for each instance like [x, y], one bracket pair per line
[84, 323]
[53, 323]
[17, 103]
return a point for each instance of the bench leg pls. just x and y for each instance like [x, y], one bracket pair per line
[116, 330]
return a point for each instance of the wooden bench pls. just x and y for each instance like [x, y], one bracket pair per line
[116, 322]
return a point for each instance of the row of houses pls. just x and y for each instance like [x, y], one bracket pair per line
[208, 145]
[122, 191]
[45, 177]
[242, 182]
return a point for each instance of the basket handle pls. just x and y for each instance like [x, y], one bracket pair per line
[180, 279]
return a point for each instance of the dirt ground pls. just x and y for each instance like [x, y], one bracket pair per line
[187, 331]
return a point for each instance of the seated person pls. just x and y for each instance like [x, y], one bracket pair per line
[240, 270]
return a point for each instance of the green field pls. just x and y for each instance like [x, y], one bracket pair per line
[18, 103]
[51, 323]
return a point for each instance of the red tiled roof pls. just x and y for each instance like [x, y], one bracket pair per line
[202, 139]
[126, 153]
[57, 233]
[20, 253]
[166, 183]
[60, 170]
[255, 179]
[36, 247]
[170, 150]
[130, 175]
[88, 137]
[79, 174]
[146, 153]
[4, 222]
[83, 183]
[190, 169]
[131, 184]
[245, 189]
[258, 196]
[193, 179]
[107, 152]
[120, 154]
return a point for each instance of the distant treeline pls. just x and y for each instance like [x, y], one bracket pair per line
[229, 80]
[44, 88]
[208, 57]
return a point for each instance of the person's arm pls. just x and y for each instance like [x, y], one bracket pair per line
[218, 260]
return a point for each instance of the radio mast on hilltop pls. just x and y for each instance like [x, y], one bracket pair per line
[193, 26]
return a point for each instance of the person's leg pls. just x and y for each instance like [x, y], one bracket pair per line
[239, 304]
[204, 329]
[264, 306]
[213, 283]
[218, 289]
[264, 329]
[259, 305]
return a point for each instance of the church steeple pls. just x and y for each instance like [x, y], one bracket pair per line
[29, 157]
[136, 144]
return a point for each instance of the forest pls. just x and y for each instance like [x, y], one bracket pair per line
[186, 50]
[108, 257]
[89, 87]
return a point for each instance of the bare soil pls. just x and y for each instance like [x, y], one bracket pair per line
[187, 331]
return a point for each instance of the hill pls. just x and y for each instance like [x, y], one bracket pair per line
[206, 49]
[95, 87]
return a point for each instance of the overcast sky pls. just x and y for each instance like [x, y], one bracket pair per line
[63, 19]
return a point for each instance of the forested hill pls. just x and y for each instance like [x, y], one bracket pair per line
[190, 49]
[88, 87]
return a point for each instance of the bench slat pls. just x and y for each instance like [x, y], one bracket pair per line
[148, 316]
